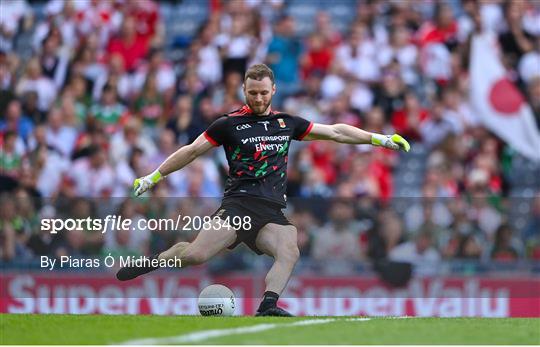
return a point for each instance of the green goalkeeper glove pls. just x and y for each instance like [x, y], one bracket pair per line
[395, 142]
[142, 184]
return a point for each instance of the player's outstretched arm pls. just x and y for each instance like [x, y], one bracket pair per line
[174, 162]
[344, 133]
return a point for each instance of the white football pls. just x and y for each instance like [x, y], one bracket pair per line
[216, 300]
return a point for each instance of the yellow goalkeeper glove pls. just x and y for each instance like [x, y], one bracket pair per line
[395, 142]
[142, 184]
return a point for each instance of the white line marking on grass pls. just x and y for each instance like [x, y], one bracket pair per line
[357, 319]
[202, 335]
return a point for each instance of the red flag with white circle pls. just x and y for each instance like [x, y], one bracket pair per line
[498, 103]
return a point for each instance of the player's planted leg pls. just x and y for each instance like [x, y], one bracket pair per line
[280, 242]
[207, 244]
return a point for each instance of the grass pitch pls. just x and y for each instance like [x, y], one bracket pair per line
[90, 329]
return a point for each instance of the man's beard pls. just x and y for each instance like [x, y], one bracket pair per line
[259, 109]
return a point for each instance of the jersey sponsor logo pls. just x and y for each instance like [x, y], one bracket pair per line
[243, 127]
[266, 139]
[259, 147]
[265, 123]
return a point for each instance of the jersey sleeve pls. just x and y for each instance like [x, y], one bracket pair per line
[217, 131]
[302, 127]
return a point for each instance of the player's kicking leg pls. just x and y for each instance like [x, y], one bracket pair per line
[207, 244]
[279, 242]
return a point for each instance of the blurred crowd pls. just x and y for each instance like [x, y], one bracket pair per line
[100, 101]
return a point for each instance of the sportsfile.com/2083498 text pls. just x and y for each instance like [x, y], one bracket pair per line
[118, 223]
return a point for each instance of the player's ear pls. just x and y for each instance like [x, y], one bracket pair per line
[273, 89]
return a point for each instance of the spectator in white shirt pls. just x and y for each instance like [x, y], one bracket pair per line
[200, 179]
[420, 253]
[436, 129]
[165, 76]
[166, 147]
[458, 110]
[403, 51]
[92, 176]
[126, 139]
[59, 135]
[49, 164]
[237, 46]
[54, 61]
[133, 241]
[34, 80]
[426, 210]
[61, 17]
[88, 61]
[337, 244]
[339, 238]
[359, 55]
[127, 171]
[529, 64]
[115, 74]
[531, 18]
[209, 67]
[11, 14]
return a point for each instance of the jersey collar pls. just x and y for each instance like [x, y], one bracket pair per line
[248, 110]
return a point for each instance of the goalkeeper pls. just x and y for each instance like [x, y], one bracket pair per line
[256, 140]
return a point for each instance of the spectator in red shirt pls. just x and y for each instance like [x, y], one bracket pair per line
[129, 45]
[322, 157]
[146, 14]
[332, 37]
[407, 120]
[381, 168]
[318, 56]
[442, 30]
[437, 40]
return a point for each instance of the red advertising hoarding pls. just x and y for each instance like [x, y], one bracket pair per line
[172, 294]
